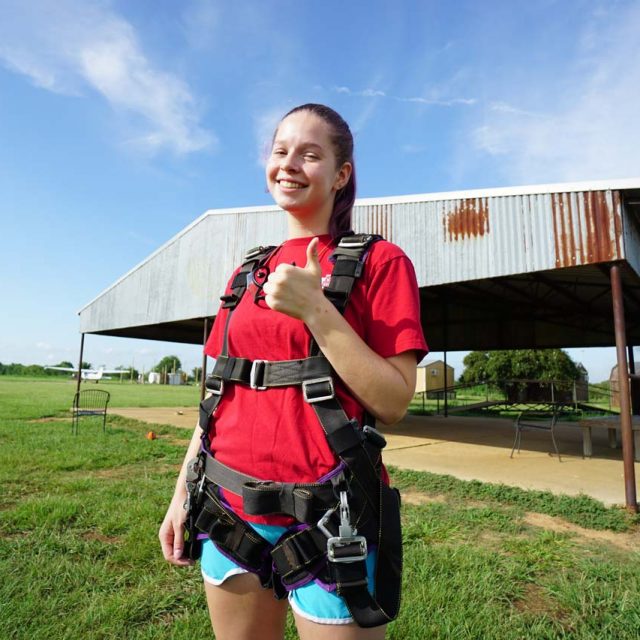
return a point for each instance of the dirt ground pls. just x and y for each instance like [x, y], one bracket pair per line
[478, 449]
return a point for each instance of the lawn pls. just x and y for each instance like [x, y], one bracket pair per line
[79, 556]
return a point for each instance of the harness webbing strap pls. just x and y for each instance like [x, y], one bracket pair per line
[306, 502]
[252, 259]
[265, 374]
[234, 536]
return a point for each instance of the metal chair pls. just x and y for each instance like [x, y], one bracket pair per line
[544, 421]
[89, 402]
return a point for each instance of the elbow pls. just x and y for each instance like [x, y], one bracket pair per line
[392, 414]
[394, 411]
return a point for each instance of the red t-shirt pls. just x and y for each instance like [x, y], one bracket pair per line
[274, 434]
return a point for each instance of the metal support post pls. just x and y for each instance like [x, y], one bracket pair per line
[623, 386]
[635, 383]
[80, 362]
[446, 340]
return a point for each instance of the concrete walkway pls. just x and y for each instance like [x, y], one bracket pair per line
[478, 449]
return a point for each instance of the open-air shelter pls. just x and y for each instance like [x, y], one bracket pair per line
[538, 266]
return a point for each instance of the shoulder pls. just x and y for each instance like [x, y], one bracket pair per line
[384, 253]
[386, 263]
[383, 250]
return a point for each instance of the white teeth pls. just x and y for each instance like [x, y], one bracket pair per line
[290, 185]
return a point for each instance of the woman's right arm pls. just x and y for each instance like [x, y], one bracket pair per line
[171, 532]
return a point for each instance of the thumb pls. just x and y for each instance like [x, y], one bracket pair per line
[313, 263]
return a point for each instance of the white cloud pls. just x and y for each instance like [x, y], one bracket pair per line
[377, 93]
[591, 128]
[68, 46]
[365, 93]
[439, 103]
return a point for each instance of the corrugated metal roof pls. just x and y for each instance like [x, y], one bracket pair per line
[450, 237]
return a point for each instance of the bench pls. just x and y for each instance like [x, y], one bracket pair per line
[541, 420]
[89, 402]
[612, 424]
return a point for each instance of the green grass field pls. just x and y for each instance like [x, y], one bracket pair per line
[79, 556]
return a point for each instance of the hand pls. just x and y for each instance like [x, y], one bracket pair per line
[297, 291]
[171, 533]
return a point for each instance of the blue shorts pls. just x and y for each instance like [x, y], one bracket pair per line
[310, 601]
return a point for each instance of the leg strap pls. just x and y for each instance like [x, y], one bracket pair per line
[234, 537]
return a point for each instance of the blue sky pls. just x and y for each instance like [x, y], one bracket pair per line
[122, 122]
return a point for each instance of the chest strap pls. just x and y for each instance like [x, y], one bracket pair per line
[264, 374]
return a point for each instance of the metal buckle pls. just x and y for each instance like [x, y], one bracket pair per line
[338, 543]
[348, 242]
[253, 376]
[215, 392]
[305, 391]
[253, 253]
[346, 534]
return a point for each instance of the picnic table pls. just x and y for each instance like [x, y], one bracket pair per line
[612, 424]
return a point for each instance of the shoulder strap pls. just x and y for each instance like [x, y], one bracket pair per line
[348, 261]
[252, 259]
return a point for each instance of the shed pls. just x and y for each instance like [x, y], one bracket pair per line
[431, 377]
[520, 267]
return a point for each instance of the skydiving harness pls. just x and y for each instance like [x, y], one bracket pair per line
[342, 515]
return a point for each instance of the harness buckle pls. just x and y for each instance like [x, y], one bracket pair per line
[353, 242]
[351, 549]
[257, 368]
[210, 385]
[346, 546]
[310, 398]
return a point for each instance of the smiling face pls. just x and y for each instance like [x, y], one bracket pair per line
[302, 175]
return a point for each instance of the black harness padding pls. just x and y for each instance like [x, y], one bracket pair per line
[306, 502]
[326, 547]
[234, 536]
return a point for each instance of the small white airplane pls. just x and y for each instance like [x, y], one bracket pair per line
[91, 374]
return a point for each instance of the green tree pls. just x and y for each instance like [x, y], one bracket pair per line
[168, 364]
[128, 372]
[523, 364]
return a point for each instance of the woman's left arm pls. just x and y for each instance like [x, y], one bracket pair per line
[384, 386]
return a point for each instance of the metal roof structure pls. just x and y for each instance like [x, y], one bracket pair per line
[521, 267]
[528, 267]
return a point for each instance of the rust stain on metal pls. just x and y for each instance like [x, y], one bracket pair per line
[602, 223]
[470, 219]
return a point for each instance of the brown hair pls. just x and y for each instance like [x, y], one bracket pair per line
[342, 140]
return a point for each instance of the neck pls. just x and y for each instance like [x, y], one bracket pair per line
[306, 228]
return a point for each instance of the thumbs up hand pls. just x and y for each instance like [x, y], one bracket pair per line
[296, 291]
[313, 262]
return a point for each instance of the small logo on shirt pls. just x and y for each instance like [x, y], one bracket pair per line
[326, 280]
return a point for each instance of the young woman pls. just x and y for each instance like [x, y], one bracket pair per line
[275, 433]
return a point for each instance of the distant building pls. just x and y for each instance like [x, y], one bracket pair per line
[614, 385]
[174, 378]
[582, 384]
[154, 377]
[431, 378]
